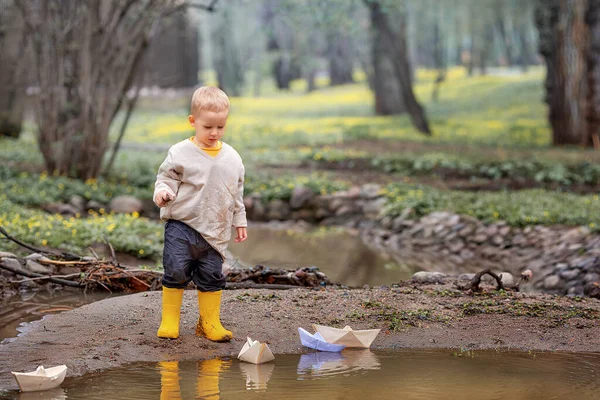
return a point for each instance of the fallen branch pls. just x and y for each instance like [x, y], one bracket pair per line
[66, 256]
[473, 285]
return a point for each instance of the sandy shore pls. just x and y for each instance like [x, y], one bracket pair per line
[120, 330]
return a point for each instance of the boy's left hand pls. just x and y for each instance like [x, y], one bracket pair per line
[242, 234]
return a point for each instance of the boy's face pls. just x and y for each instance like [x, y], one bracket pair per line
[209, 126]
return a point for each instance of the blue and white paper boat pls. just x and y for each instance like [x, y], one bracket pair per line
[317, 342]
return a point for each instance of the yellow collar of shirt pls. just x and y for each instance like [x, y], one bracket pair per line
[211, 151]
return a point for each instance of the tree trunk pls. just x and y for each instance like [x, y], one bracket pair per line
[12, 70]
[227, 59]
[593, 81]
[386, 88]
[563, 43]
[506, 40]
[339, 54]
[398, 53]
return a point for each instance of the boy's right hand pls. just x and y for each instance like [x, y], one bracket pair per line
[163, 198]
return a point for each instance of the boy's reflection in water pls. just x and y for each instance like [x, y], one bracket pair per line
[207, 382]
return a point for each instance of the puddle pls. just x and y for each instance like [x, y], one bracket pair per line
[353, 374]
[342, 256]
[17, 311]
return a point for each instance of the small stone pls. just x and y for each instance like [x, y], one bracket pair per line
[301, 196]
[576, 291]
[592, 289]
[37, 257]
[126, 204]
[466, 254]
[370, 191]
[591, 277]
[552, 282]
[95, 206]
[569, 274]
[11, 263]
[428, 277]
[456, 246]
[507, 279]
[37, 268]
[78, 202]
[479, 238]
[7, 255]
[497, 240]
[466, 277]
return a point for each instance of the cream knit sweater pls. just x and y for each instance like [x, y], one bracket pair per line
[208, 191]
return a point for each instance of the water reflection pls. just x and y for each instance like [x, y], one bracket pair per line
[327, 364]
[53, 394]
[352, 374]
[257, 376]
[207, 379]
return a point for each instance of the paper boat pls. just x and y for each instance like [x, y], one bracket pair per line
[347, 336]
[41, 378]
[317, 342]
[255, 352]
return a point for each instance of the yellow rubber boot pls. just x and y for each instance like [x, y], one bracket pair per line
[171, 311]
[209, 322]
[169, 380]
[207, 385]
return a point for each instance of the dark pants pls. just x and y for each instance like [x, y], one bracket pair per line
[187, 256]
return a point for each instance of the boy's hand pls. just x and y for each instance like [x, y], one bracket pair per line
[163, 198]
[242, 234]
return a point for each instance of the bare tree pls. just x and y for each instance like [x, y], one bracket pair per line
[12, 68]
[84, 55]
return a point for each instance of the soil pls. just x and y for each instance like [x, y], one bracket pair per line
[120, 330]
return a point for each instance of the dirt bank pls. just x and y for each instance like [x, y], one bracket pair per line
[119, 330]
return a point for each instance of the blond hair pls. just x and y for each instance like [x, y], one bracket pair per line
[209, 98]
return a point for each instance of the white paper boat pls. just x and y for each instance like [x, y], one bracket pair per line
[317, 342]
[41, 378]
[255, 352]
[347, 336]
[257, 376]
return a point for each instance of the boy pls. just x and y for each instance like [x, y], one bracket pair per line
[199, 188]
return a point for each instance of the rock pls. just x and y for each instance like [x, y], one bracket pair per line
[248, 203]
[7, 255]
[66, 210]
[37, 268]
[370, 191]
[66, 270]
[95, 206]
[587, 263]
[12, 263]
[301, 196]
[479, 238]
[304, 214]
[386, 222]
[576, 291]
[346, 210]
[569, 274]
[258, 211]
[497, 240]
[373, 208]
[553, 282]
[466, 231]
[278, 210]
[428, 277]
[591, 277]
[36, 257]
[466, 254]
[592, 289]
[491, 230]
[78, 202]
[466, 277]
[126, 204]
[507, 279]
[456, 246]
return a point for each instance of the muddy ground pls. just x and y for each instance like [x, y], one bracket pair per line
[120, 330]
